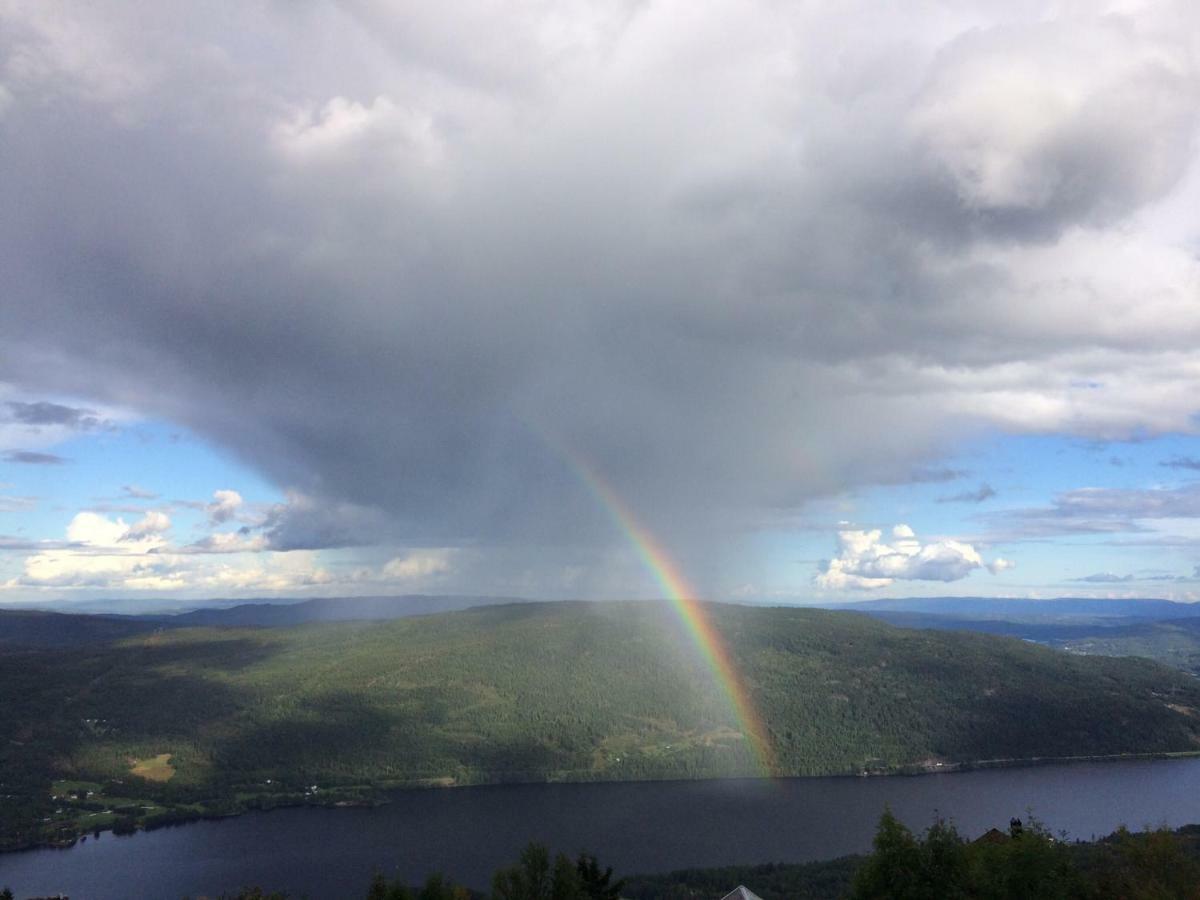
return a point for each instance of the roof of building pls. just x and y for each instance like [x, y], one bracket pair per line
[993, 836]
[741, 892]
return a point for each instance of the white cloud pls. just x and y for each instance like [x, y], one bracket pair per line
[111, 554]
[328, 133]
[864, 561]
[95, 531]
[152, 524]
[11, 503]
[224, 506]
[227, 542]
[417, 565]
[69, 568]
[75, 53]
[1091, 117]
[102, 552]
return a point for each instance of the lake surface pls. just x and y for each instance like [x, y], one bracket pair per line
[640, 827]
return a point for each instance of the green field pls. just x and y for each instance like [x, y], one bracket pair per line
[566, 691]
[157, 768]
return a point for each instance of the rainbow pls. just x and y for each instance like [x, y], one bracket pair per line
[691, 612]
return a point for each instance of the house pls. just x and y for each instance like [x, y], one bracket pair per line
[993, 836]
[741, 892]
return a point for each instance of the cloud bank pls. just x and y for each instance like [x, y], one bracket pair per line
[106, 553]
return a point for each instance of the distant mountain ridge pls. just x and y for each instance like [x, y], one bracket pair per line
[333, 609]
[1014, 609]
[1160, 630]
[44, 628]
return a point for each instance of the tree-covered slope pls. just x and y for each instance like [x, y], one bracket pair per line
[37, 628]
[533, 692]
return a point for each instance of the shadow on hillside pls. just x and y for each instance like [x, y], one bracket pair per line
[347, 738]
[89, 713]
[1000, 700]
[217, 654]
[339, 734]
[154, 691]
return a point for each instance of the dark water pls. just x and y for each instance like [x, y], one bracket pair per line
[645, 827]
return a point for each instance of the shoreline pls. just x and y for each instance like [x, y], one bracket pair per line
[377, 796]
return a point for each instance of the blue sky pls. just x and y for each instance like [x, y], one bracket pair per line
[1001, 483]
[993, 495]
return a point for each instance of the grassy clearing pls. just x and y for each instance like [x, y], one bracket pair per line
[157, 768]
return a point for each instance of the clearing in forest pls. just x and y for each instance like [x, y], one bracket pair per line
[157, 768]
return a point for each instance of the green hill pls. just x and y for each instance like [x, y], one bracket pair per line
[206, 721]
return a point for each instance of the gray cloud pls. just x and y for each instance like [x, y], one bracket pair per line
[1126, 504]
[1182, 462]
[983, 492]
[9, 503]
[225, 507]
[305, 524]
[935, 475]
[410, 271]
[1110, 578]
[45, 413]
[1101, 511]
[15, 543]
[34, 458]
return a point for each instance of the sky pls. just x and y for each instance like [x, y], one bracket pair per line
[842, 300]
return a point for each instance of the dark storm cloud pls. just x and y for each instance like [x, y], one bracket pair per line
[417, 276]
[34, 458]
[303, 524]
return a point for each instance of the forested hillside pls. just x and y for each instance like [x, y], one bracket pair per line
[208, 721]
[37, 628]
